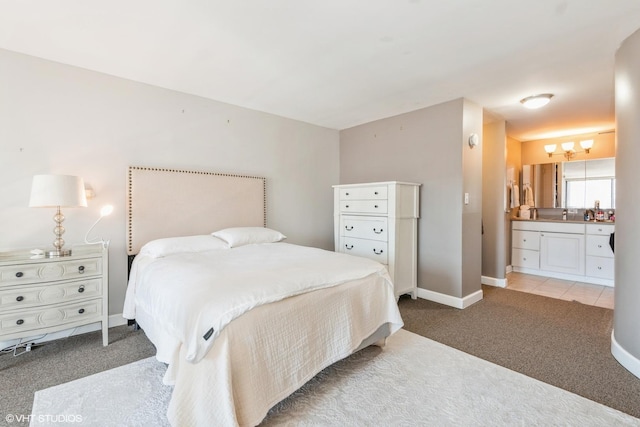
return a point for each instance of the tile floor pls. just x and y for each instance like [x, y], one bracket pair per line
[586, 293]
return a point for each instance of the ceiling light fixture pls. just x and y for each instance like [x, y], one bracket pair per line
[536, 101]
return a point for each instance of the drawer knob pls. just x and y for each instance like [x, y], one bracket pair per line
[81, 269]
[599, 268]
[19, 322]
[375, 251]
[524, 240]
[348, 227]
[375, 192]
[20, 298]
[524, 259]
[19, 274]
[346, 206]
[349, 247]
[375, 230]
[599, 246]
[81, 311]
[81, 289]
[375, 206]
[346, 194]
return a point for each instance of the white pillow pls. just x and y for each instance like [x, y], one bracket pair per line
[239, 236]
[175, 245]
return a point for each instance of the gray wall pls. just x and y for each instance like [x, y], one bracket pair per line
[494, 160]
[429, 146]
[627, 247]
[60, 119]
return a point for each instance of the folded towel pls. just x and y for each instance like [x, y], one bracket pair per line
[528, 195]
[515, 195]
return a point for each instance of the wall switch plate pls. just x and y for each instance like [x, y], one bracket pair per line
[466, 198]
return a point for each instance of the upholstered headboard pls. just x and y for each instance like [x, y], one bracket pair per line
[170, 203]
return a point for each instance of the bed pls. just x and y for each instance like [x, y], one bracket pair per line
[241, 317]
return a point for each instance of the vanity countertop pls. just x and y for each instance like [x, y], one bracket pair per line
[572, 221]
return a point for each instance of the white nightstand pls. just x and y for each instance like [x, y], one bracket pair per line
[42, 295]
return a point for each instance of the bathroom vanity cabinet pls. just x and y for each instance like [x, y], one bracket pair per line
[564, 250]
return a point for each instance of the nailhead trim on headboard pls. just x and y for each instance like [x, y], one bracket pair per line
[143, 168]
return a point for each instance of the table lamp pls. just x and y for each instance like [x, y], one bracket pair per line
[56, 191]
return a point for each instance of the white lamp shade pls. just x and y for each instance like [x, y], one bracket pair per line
[550, 148]
[587, 144]
[57, 190]
[567, 146]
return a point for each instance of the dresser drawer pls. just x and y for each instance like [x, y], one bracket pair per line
[29, 296]
[364, 228]
[364, 193]
[599, 246]
[600, 267]
[371, 249]
[525, 258]
[49, 271]
[526, 239]
[364, 206]
[45, 317]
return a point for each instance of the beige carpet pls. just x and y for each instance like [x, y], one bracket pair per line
[412, 381]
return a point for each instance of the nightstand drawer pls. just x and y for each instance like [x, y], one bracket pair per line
[49, 270]
[363, 193]
[45, 317]
[371, 228]
[29, 296]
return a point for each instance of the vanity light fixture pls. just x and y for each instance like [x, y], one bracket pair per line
[536, 101]
[567, 148]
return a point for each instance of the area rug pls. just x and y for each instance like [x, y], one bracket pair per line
[411, 381]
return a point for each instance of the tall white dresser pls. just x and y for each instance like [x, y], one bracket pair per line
[379, 220]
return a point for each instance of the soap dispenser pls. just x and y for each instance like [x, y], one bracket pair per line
[564, 215]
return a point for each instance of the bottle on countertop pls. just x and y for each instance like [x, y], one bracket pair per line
[564, 215]
[586, 215]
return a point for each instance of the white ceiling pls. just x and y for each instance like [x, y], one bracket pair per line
[340, 63]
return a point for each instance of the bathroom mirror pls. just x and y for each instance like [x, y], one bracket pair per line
[575, 184]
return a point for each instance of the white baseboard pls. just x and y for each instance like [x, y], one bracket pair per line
[509, 269]
[114, 320]
[448, 299]
[626, 359]
[492, 281]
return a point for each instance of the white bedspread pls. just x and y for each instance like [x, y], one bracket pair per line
[269, 350]
[192, 293]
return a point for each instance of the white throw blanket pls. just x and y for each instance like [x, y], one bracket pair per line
[195, 295]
